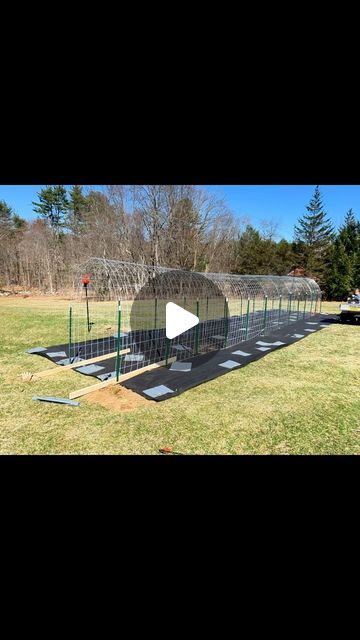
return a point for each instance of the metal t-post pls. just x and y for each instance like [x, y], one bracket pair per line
[167, 347]
[197, 329]
[247, 319]
[118, 343]
[265, 311]
[70, 333]
[226, 321]
[290, 294]
[279, 308]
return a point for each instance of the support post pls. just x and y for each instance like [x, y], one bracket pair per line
[167, 348]
[304, 306]
[207, 308]
[184, 302]
[279, 309]
[247, 319]
[311, 304]
[87, 311]
[118, 343]
[298, 305]
[70, 332]
[156, 305]
[226, 321]
[197, 329]
[265, 311]
[289, 308]
[320, 303]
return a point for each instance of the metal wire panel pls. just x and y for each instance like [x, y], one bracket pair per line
[115, 280]
[231, 308]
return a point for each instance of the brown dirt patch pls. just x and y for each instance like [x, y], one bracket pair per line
[118, 399]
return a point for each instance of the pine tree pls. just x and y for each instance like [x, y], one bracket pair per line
[6, 214]
[9, 220]
[338, 281]
[53, 206]
[349, 236]
[78, 204]
[350, 233]
[356, 272]
[314, 234]
[344, 271]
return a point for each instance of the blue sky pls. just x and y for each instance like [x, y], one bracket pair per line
[280, 204]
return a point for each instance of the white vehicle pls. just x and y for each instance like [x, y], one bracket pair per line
[350, 310]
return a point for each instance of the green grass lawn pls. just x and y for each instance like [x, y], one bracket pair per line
[303, 399]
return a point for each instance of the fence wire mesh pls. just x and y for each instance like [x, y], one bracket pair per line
[124, 308]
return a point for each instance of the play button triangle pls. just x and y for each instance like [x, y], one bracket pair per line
[178, 320]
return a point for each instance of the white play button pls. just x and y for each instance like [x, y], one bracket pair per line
[178, 320]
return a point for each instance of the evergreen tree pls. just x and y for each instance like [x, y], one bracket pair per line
[285, 257]
[313, 235]
[350, 233]
[356, 272]
[248, 251]
[78, 205]
[6, 214]
[53, 206]
[338, 281]
[349, 236]
[9, 221]
[344, 271]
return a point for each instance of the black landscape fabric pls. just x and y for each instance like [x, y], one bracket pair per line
[203, 367]
[208, 366]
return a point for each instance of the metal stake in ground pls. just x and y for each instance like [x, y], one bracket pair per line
[197, 329]
[70, 333]
[279, 309]
[118, 343]
[226, 321]
[247, 319]
[265, 312]
[86, 282]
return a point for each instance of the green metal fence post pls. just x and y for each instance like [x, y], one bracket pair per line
[207, 308]
[197, 329]
[304, 306]
[298, 305]
[289, 308]
[167, 347]
[156, 305]
[247, 319]
[184, 302]
[279, 309]
[311, 303]
[70, 333]
[226, 321]
[118, 343]
[265, 310]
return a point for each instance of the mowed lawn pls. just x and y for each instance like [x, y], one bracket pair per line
[303, 399]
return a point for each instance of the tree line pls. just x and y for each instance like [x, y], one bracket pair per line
[179, 226]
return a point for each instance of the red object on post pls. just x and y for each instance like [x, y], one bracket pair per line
[86, 280]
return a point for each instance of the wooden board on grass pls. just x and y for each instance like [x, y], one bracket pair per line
[75, 365]
[112, 381]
